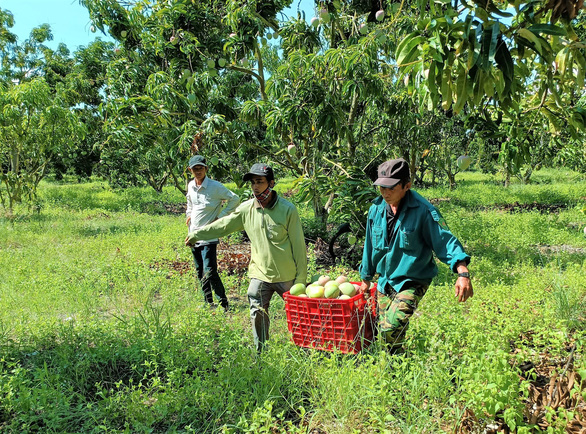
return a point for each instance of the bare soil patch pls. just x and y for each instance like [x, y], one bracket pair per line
[159, 207]
[232, 258]
[544, 249]
[515, 207]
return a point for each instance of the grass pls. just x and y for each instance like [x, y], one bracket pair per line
[98, 333]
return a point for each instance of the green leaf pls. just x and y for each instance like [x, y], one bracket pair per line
[438, 75]
[409, 58]
[471, 75]
[405, 40]
[488, 85]
[561, 60]
[467, 25]
[556, 96]
[436, 43]
[481, 14]
[437, 56]
[461, 91]
[431, 78]
[446, 89]
[472, 57]
[478, 91]
[571, 33]
[581, 66]
[493, 41]
[429, 100]
[552, 118]
[548, 29]
[497, 11]
[500, 83]
[406, 53]
[489, 43]
[504, 61]
[534, 42]
[576, 121]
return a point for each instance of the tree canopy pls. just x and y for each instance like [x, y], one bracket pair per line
[324, 98]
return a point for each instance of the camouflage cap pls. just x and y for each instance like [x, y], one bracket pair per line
[391, 172]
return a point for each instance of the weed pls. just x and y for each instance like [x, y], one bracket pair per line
[100, 331]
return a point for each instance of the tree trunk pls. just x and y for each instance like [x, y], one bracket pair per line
[319, 211]
[526, 178]
[451, 179]
[261, 74]
[351, 119]
[178, 185]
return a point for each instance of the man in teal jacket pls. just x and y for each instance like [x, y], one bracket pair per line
[278, 257]
[403, 232]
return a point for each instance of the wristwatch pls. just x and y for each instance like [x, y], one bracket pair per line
[465, 274]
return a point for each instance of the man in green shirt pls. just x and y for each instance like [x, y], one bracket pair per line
[278, 257]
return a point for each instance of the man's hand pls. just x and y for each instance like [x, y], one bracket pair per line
[463, 289]
[188, 221]
[187, 242]
[364, 288]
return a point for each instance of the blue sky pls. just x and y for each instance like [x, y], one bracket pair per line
[70, 22]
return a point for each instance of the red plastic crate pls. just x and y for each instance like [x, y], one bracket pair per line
[331, 324]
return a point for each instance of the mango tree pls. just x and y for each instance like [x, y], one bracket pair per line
[83, 84]
[34, 125]
[312, 117]
[517, 147]
[173, 83]
[317, 104]
[484, 58]
[194, 49]
[335, 108]
[326, 107]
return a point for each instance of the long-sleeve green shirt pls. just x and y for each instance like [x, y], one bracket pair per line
[277, 242]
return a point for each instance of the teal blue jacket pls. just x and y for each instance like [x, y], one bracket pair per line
[421, 231]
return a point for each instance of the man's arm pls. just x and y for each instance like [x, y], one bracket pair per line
[217, 229]
[450, 251]
[445, 245]
[367, 268]
[463, 287]
[232, 201]
[188, 210]
[297, 240]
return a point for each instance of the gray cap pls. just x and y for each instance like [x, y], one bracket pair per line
[197, 160]
[391, 172]
[260, 169]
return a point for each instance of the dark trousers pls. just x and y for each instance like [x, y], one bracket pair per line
[206, 265]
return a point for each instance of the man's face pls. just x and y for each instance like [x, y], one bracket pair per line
[199, 172]
[258, 184]
[393, 195]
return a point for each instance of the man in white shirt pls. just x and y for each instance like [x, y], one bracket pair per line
[205, 198]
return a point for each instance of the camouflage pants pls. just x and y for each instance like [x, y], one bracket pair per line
[395, 311]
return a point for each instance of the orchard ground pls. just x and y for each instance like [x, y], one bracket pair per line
[102, 329]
